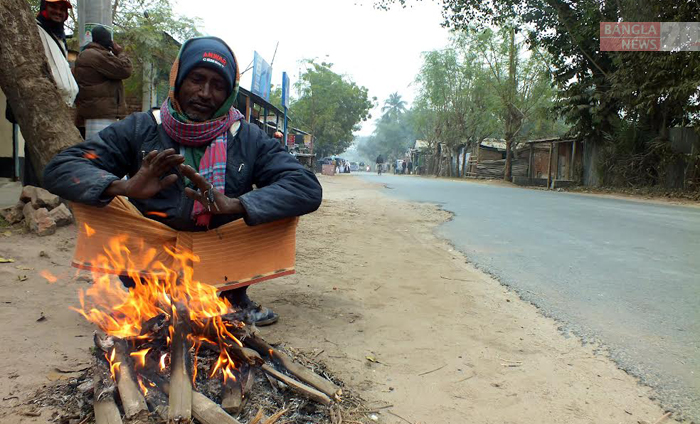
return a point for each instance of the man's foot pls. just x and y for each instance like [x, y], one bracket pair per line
[261, 316]
[251, 311]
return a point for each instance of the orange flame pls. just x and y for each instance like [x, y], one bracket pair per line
[141, 355]
[158, 214]
[143, 388]
[162, 361]
[89, 230]
[158, 290]
[113, 366]
[91, 155]
[49, 277]
[122, 313]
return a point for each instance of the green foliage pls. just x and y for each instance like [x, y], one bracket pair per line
[599, 93]
[151, 35]
[276, 96]
[466, 93]
[392, 137]
[393, 107]
[330, 107]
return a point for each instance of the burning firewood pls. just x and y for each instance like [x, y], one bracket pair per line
[133, 402]
[298, 387]
[106, 410]
[172, 346]
[180, 407]
[301, 372]
[234, 391]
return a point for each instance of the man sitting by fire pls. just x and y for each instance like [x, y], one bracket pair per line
[193, 167]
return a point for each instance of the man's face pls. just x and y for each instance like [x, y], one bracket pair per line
[57, 11]
[202, 93]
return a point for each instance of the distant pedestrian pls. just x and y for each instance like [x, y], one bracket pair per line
[410, 168]
[100, 70]
[404, 165]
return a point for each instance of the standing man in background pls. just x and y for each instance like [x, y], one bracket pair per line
[100, 71]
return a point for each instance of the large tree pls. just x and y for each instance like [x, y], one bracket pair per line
[331, 106]
[454, 107]
[393, 107]
[521, 82]
[602, 94]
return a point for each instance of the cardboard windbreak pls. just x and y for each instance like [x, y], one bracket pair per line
[231, 256]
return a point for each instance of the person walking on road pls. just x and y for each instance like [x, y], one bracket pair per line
[404, 165]
[100, 71]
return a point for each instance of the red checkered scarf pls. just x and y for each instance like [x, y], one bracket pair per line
[214, 135]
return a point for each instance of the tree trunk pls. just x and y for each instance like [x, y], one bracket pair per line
[464, 162]
[26, 80]
[511, 110]
[509, 160]
[450, 166]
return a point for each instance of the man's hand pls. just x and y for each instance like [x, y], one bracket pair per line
[147, 182]
[222, 205]
[116, 48]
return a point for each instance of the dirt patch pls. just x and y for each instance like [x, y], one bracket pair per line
[393, 311]
[663, 196]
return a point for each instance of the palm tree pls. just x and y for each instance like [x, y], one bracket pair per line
[393, 107]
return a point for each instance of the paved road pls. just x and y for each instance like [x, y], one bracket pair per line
[619, 272]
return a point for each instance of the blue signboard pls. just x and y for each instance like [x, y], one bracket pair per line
[285, 90]
[262, 77]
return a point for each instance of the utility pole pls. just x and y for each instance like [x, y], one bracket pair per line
[91, 13]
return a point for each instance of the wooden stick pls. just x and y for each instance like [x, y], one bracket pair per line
[236, 351]
[207, 411]
[297, 387]
[432, 371]
[663, 418]
[204, 409]
[180, 405]
[106, 411]
[301, 372]
[133, 402]
[232, 396]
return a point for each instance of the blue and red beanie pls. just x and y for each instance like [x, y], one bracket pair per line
[208, 52]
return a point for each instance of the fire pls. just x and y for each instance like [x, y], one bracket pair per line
[157, 213]
[122, 313]
[113, 366]
[91, 155]
[141, 356]
[159, 291]
[89, 230]
[162, 361]
[143, 387]
[49, 277]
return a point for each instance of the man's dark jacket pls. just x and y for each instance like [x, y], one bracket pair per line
[99, 74]
[284, 187]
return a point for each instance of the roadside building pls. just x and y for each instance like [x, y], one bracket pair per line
[551, 162]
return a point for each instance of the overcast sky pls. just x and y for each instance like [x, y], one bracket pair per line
[379, 50]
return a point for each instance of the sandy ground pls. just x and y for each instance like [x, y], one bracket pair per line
[391, 309]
